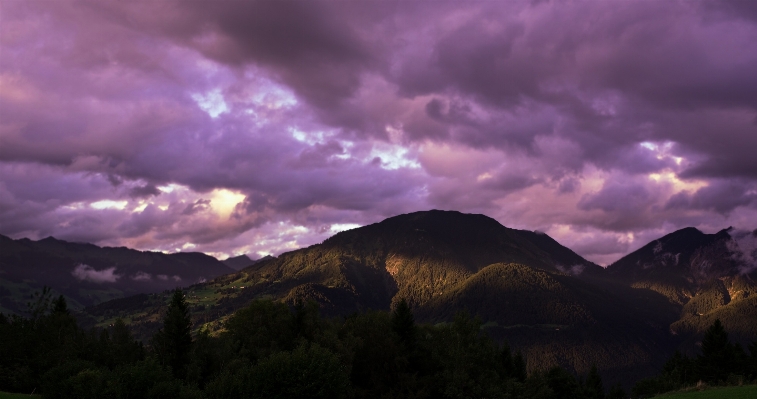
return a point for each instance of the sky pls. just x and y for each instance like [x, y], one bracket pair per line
[259, 127]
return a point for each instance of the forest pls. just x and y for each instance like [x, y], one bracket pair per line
[273, 350]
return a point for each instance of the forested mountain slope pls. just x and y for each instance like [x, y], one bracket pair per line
[525, 287]
[705, 276]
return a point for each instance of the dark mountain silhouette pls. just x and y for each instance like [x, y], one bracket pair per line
[88, 274]
[243, 261]
[238, 262]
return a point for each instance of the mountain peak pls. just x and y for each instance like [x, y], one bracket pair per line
[679, 263]
[238, 262]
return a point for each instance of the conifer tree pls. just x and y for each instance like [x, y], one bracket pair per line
[506, 360]
[173, 342]
[40, 304]
[616, 392]
[753, 358]
[519, 366]
[593, 386]
[60, 306]
[717, 354]
[403, 324]
[125, 349]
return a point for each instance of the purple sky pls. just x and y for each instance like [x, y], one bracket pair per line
[259, 127]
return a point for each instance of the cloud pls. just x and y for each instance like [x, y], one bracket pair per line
[744, 249]
[720, 195]
[141, 276]
[574, 270]
[214, 126]
[87, 273]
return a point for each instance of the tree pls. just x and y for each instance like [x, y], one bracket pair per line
[124, 348]
[307, 372]
[753, 358]
[40, 303]
[616, 392]
[173, 342]
[717, 354]
[519, 366]
[679, 369]
[506, 361]
[60, 306]
[305, 320]
[562, 383]
[593, 386]
[262, 328]
[403, 324]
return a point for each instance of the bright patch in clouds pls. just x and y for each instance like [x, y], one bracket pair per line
[662, 150]
[211, 102]
[677, 184]
[223, 201]
[337, 227]
[169, 188]
[393, 156]
[106, 204]
[310, 138]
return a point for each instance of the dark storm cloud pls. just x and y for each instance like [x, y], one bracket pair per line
[144, 191]
[309, 45]
[156, 120]
[722, 196]
[617, 197]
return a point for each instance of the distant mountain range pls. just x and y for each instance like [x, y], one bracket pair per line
[87, 274]
[540, 296]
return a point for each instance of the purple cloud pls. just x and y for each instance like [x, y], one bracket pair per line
[256, 127]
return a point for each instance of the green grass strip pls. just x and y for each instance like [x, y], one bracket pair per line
[743, 392]
[6, 395]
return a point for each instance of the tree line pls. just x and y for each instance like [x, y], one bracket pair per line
[272, 350]
[719, 363]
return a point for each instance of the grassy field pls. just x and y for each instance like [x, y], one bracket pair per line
[6, 395]
[743, 392]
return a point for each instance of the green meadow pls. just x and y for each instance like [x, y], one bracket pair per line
[6, 395]
[742, 392]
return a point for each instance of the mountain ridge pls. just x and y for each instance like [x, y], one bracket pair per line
[88, 274]
[442, 262]
[543, 298]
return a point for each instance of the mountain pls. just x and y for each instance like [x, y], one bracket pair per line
[242, 261]
[705, 276]
[416, 256]
[87, 274]
[525, 287]
[238, 262]
[544, 299]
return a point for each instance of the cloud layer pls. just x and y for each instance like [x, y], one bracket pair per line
[88, 273]
[259, 126]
